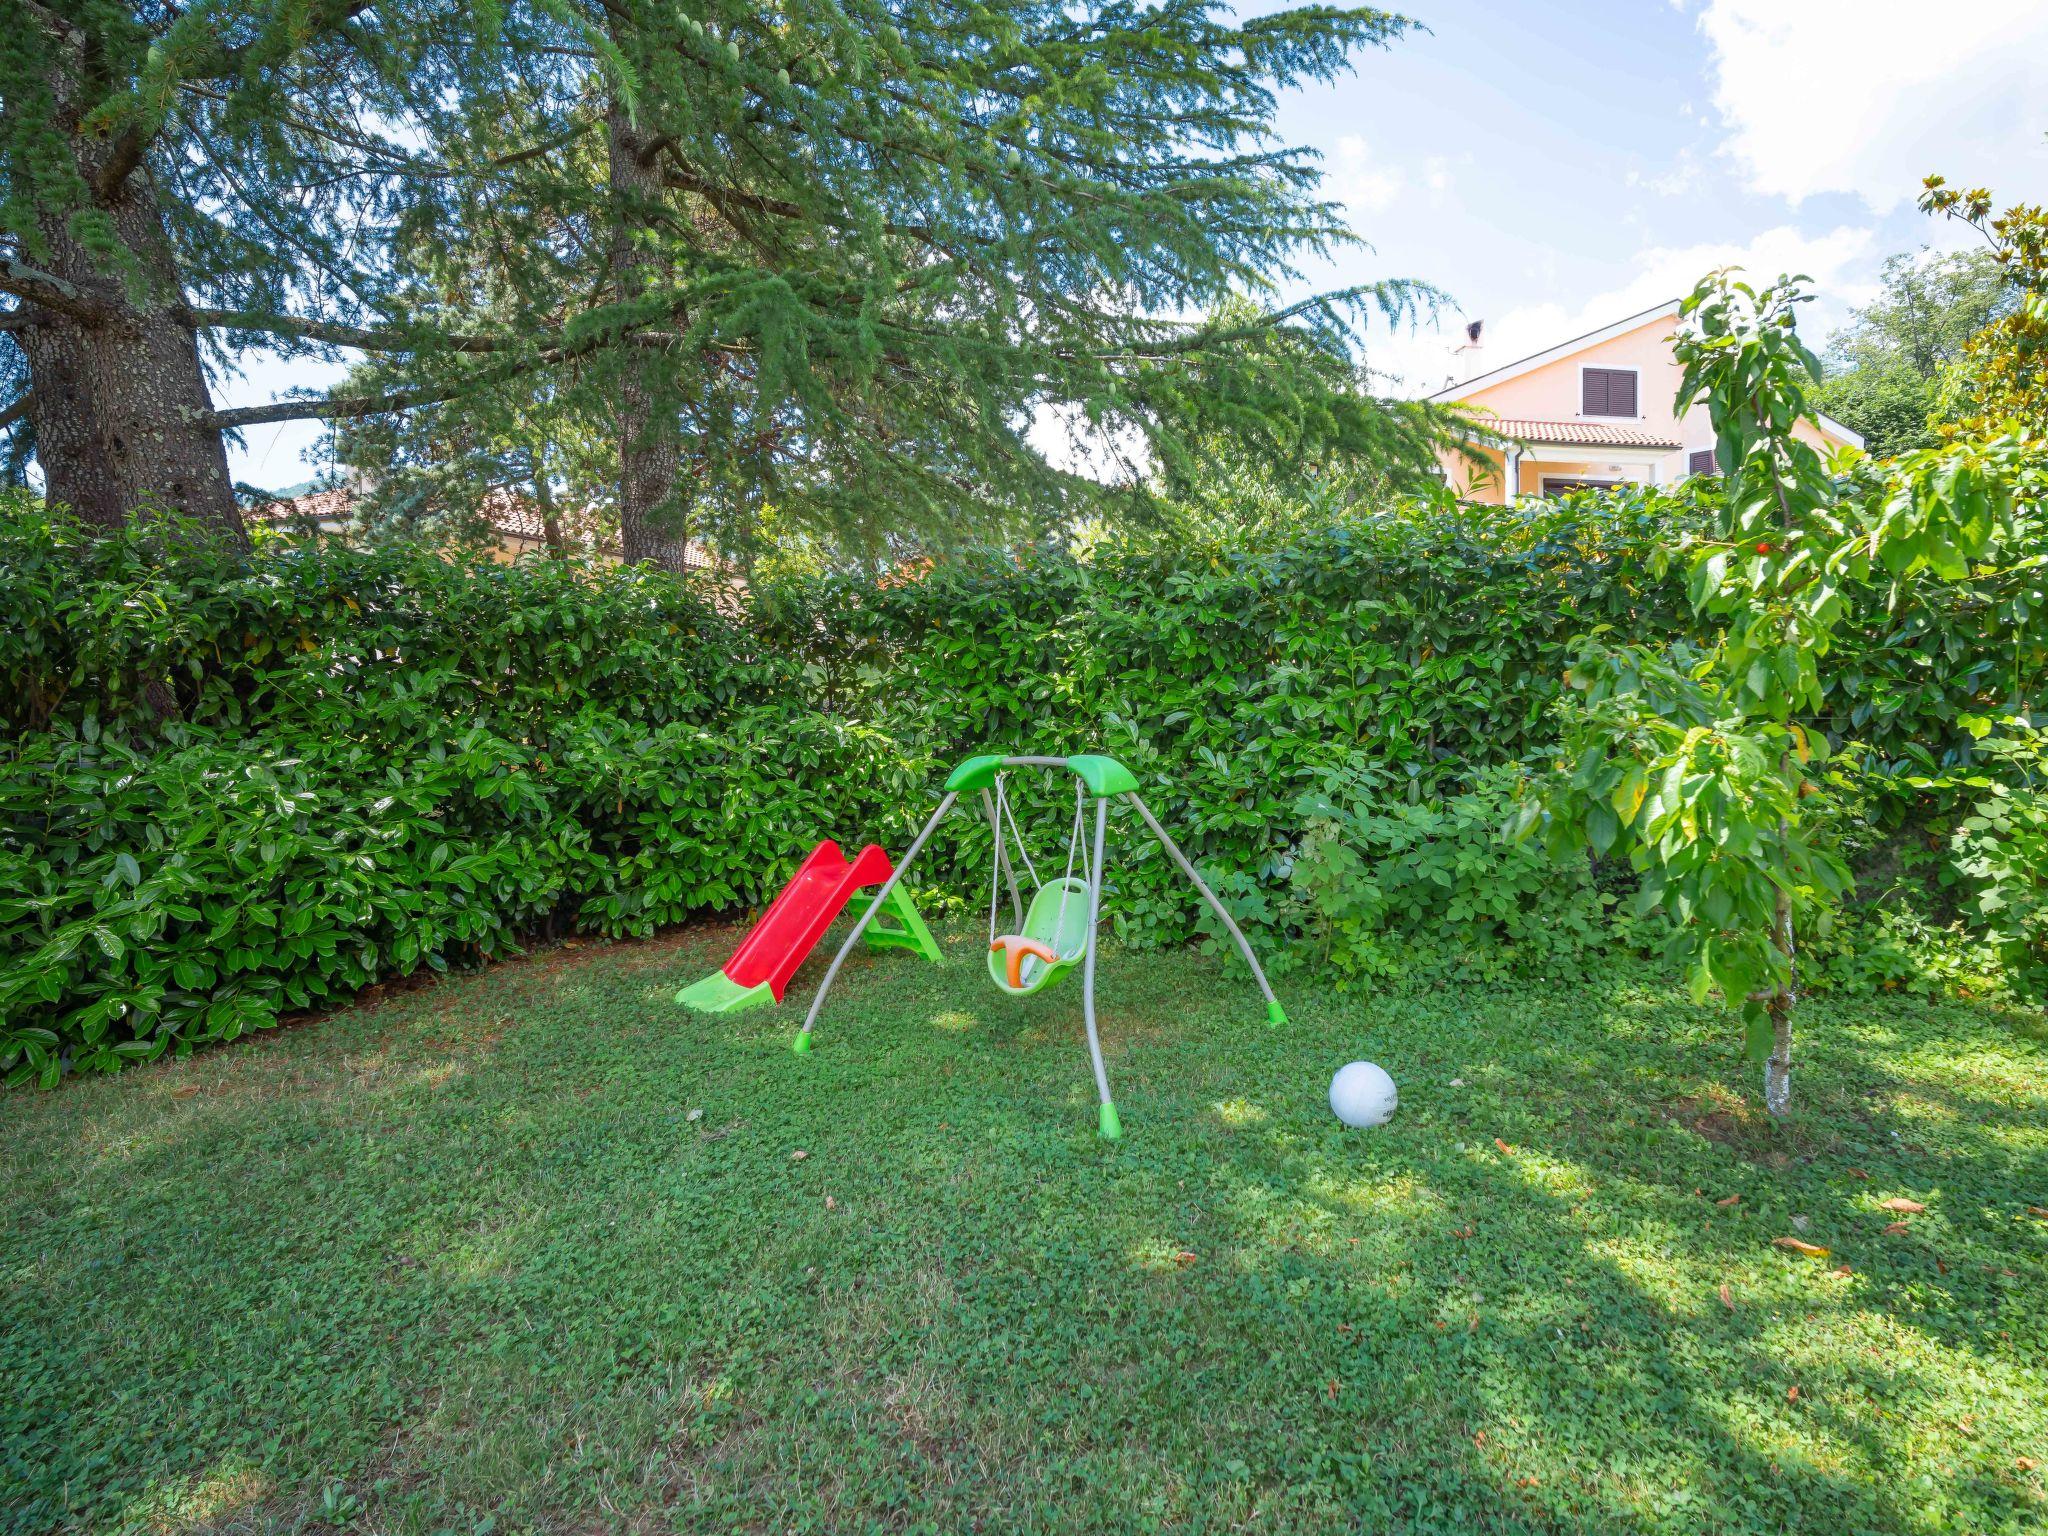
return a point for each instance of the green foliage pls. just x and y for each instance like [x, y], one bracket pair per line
[2000, 383]
[1999, 856]
[1889, 946]
[1395, 655]
[1884, 369]
[556, 745]
[1694, 762]
[380, 760]
[1698, 804]
[472, 1257]
[1394, 891]
[163, 899]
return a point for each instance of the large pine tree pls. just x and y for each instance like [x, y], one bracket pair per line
[836, 257]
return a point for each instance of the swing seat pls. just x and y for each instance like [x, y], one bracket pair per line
[1050, 945]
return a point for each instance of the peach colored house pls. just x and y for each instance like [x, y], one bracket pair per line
[1592, 411]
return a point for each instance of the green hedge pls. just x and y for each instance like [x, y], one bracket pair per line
[1395, 658]
[236, 785]
[191, 891]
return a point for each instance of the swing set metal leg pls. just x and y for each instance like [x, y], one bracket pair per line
[1275, 1014]
[1106, 1121]
[803, 1037]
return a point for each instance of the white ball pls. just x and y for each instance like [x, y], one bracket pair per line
[1362, 1094]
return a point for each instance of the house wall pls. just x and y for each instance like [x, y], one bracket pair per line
[1552, 393]
[1484, 485]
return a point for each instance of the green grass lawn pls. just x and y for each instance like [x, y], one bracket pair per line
[537, 1249]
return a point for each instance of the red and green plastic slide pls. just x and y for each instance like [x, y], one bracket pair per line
[826, 884]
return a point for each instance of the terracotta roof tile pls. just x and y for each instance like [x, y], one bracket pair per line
[508, 513]
[1584, 434]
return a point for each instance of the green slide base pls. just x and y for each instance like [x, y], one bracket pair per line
[719, 993]
[897, 926]
[1111, 1128]
[1275, 1014]
[802, 1044]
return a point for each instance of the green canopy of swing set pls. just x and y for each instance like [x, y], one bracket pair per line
[1104, 776]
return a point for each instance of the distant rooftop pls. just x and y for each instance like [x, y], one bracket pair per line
[513, 517]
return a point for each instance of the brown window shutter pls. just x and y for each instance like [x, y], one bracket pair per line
[1702, 463]
[1607, 392]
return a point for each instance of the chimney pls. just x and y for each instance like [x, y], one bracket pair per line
[1465, 357]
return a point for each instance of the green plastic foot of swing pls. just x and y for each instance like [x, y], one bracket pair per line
[802, 1045]
[1112, 1129]
[1275, 1014]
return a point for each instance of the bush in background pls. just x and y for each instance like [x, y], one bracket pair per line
[240, 785]
[1385, 890]
[234, 785]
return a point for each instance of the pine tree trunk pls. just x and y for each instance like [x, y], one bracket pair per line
[652, 522]
[120, 404]
[544, 500]
[65, 411]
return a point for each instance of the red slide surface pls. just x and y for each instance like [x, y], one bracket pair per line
[798, 918]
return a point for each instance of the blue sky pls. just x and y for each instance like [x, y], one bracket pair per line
[1557, 167]
[1554, 167]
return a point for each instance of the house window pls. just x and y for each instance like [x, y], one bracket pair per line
[1607, 391]
[1555, 485]
[1702, 463]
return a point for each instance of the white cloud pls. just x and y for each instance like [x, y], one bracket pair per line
[1840, 263]
[1358, 182]
[1868, 96]
[1437, 177]
[1680, 177]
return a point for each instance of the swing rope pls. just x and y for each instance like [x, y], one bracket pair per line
[1073, 843]
[1017, 835]
[1002, 811]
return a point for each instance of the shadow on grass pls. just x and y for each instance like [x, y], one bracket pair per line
[534, 1288]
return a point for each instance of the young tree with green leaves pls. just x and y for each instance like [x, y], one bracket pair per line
[1703, 769]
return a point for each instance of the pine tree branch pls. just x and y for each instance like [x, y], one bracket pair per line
[121, 161]
[362, 338]
[226, 62]
[13, 413]
[49, 290]
[132, 144]
[353, 407]
[683, 177]
[345, 408]
[391, 160]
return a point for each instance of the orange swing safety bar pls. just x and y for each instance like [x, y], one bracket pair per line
[1017, 947]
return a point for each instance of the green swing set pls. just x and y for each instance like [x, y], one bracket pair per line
[1056, 931]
